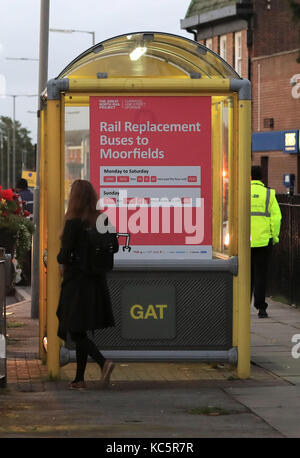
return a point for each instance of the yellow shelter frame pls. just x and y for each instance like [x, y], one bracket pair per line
[76, 91]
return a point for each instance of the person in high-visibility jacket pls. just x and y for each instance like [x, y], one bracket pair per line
[265, 229]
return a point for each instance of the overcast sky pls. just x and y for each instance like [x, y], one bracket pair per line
[19, 37]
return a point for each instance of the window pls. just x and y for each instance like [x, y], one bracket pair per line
[238, 52]
[264, 163]
[208, 43]
[223, 47]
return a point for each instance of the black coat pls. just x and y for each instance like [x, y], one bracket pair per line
[84, 302]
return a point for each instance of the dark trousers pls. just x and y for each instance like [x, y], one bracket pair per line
[259, 274]
[84, 348]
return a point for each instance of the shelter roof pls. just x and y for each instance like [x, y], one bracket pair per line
[148, 54]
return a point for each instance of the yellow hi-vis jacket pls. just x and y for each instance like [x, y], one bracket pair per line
[265, 215]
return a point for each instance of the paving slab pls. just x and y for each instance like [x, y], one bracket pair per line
[272, 343]
[293, 379]
[265, 349]
[279, 406]
[172, 413]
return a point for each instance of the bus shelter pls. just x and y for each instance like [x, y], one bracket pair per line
[161, 126]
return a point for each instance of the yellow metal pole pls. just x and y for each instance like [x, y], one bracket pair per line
[53, 231]
[42, 277]
[125, 85]
[234, 235]
[243, 281]
[62, 157]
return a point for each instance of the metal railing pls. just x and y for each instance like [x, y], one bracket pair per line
[284, 270]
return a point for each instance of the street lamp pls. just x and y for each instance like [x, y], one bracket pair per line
[14, 96]
[2, 158]
[7, 137]
[14, 110]
[75, 31]
[20, 58]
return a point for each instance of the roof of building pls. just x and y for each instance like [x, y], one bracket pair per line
[202, 6]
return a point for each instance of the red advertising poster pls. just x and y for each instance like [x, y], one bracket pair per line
[150, 162]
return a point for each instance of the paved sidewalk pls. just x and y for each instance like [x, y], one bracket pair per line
[272, 344]
[271, 341]
[156, 400]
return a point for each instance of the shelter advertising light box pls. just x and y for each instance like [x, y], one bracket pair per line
[150, 161]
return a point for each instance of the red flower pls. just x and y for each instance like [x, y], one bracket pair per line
[26, 213]
[7, 194]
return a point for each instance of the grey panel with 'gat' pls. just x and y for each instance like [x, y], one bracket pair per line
[161, 310]
[148, 312]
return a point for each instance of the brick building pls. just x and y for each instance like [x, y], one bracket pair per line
[259, 39]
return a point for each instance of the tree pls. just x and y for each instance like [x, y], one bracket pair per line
[25, 151]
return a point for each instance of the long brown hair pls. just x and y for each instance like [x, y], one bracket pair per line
[82, 202]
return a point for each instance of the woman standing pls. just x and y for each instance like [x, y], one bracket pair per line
[84, 303]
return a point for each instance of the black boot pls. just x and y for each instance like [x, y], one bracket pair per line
[262, 313]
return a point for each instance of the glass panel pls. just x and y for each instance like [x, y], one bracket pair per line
[77, 156]
[77, 146]
[223, 175]
[224, 178]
